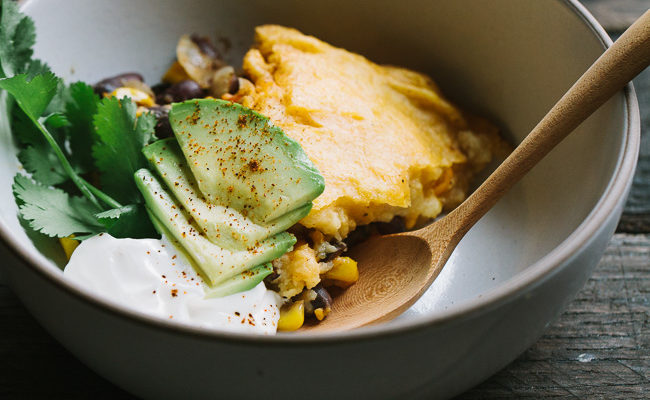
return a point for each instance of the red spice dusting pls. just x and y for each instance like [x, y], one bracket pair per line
[174, 292]
[254, 165]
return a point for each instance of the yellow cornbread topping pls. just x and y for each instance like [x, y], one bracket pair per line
[382, 137]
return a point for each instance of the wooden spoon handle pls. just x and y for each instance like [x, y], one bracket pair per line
[624, 60]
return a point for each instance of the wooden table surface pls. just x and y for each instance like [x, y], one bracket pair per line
[599, 348]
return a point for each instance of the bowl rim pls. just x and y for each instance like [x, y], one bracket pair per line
[533, 276]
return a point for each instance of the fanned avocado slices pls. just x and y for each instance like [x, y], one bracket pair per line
[232, 183]
[216, 263]
[221, 225]
[240, 159]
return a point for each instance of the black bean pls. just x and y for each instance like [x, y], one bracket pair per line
[206, 46]
[341, 247]
[363, 232]
[109, 84]
[396, 225]
[234, 85]
[160, 88]
[359, 235]
[323, 299]
[163, 128]
[181, 91]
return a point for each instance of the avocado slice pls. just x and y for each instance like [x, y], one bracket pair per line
[239, 283]
[239, 158]
[217, 264]
[163, 231]
[223, 226]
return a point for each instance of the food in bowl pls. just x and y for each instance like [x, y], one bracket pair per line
[257, 183]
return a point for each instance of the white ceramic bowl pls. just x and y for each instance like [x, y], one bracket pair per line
[509, 60]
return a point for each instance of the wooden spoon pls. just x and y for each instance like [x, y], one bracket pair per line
[395, 270]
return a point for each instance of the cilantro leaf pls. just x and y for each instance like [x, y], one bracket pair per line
[17, 36]
[80, 108]
[56, 120]
[52, 211]
[35, 154]
[131, 221]
[24, 130]
[32, 96]
[58, 102]
[36, 67]
[118, 153]
[41, 162]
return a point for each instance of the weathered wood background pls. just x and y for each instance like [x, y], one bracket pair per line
[599, 348]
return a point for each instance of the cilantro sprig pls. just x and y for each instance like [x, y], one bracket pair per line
[54, 212]
[33, 97]
[66, 136]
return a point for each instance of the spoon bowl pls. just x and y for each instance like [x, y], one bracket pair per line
[380, 281]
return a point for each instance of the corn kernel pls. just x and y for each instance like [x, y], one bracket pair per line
[68, 244]
[292, 317]
[176, 73]
[138, 96]
[321, 313]
[344, 272]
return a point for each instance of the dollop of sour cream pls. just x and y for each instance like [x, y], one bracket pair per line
[153, 277]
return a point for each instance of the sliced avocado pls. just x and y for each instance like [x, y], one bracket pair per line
[163, 231]
[239, 283]
[216, 263]
[223, 226]
[239, 158]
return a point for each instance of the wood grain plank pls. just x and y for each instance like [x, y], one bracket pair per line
[600, 347]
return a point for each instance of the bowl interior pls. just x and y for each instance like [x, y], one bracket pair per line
[509, 61]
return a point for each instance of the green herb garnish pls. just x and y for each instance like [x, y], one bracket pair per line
[65, 135]
[118, 150]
